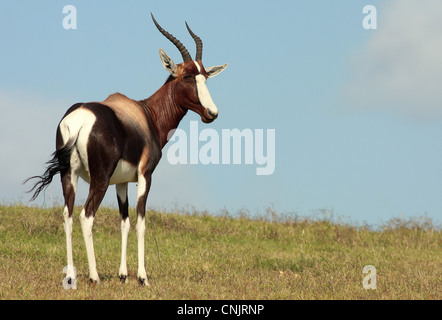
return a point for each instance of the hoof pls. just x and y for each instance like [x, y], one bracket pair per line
[94, 281]
[69, 283]
[123, 278]
[143, 282]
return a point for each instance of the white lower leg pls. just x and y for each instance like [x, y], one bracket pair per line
[70, 270]
[125, 227]
[141, 229]
[86, 227]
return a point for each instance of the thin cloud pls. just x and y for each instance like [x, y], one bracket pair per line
[400, 68]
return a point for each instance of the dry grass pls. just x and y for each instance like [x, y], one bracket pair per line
[200, 256]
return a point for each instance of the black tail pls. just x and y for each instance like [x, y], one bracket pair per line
[59, 163]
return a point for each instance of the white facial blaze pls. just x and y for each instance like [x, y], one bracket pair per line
[203, 93]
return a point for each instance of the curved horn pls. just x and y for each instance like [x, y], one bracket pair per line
[175, 41]
[199, 44]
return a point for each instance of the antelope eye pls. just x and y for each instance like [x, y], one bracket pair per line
[187, 77]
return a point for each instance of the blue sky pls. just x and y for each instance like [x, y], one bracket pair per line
[357, 112]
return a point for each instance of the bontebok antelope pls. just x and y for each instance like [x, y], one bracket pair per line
[119, 140]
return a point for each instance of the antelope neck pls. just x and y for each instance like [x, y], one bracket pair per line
[164, 113]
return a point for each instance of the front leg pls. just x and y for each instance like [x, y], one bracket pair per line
[144, 182]
[123, 205]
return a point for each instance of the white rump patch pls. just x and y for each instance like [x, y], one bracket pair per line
[77, 126]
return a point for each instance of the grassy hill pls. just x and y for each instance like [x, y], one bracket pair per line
[201, 256]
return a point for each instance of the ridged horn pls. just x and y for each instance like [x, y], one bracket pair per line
[199, 44]
[184, 53]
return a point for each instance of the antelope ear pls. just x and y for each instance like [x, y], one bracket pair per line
[213, 71]
[168, 63]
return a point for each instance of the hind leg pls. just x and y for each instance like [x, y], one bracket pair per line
[100, 147]
[96, 194]
[102, 162]
[69, 183]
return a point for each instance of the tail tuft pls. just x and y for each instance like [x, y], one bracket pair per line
[59, 163]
